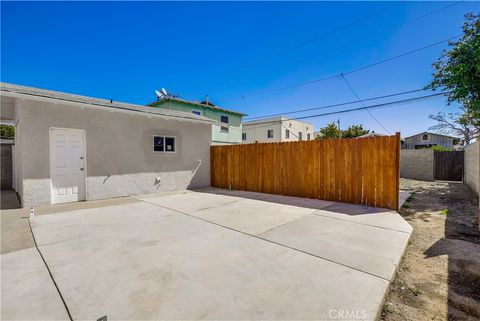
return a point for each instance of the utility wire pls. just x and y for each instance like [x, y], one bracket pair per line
[351, 71]
[381, 105]
[336, 105]
[388, 104]
[307, 42]
[361, 103]
[383, 31]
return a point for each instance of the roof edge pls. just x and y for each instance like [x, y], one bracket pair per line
[194, 103]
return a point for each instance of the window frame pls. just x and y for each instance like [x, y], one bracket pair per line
[197, 112]
[425, 135]
[165, 144]
[300, 136]
[309, 137]
[228, 119]
[244, 136]
[287, 133]
[268, 133]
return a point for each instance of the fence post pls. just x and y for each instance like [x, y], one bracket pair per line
[397, 179]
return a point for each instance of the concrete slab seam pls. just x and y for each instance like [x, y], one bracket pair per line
[49, 272]
[210, 207]
[270, 241]
[296, 219]
[370, 225]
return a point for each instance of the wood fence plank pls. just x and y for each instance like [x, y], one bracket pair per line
[359, 171]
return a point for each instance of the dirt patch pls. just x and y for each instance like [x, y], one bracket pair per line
[439, 276]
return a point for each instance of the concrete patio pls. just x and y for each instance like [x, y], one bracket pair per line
[206, 254]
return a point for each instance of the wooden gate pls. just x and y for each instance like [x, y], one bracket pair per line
[448, 166]
[359, 170]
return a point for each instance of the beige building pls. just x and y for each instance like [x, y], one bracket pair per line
[71, 148]
[276, 129]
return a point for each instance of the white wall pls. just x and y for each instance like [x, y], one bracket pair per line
[472, 166]
[257, 131]
[120, 158]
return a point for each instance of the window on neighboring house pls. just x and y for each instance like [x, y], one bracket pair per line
[244, 136]
[164, 144]
[299, 135]
[308, 136]
[425, 137]
[287, 133]
[197, 112]
[224, 120]
[270, 133]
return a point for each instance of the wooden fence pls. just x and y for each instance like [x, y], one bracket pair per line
[359, 170]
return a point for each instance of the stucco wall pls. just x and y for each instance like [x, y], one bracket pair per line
[472, 166]
[416, 164]
[257, 131]
[120, 159]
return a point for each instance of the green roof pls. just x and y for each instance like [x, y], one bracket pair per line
[193, 103]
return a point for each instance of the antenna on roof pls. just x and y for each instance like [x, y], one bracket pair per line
[162, 93]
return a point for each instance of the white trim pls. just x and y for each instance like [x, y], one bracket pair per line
[164, 144]
[84, 132]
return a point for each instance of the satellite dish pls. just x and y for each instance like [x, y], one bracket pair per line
[164, 91]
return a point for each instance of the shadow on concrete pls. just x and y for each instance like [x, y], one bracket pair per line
[316, 204]
[461, 244]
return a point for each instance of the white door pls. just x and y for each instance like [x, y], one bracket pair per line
[67, 165]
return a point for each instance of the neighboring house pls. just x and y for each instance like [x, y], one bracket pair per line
[276, 129]
[427, 140]
[71, 148]
[228, 127]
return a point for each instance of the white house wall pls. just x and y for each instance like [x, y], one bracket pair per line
[119, 152]
[472, 166]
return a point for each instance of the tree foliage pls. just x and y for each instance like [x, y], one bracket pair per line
[458, 69]
[354, 131]
[332, 131]
[7, 131]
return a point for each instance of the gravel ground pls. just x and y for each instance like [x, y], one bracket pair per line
[439, 276]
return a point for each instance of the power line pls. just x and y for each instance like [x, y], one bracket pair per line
[381, 105]
[361, 102]
[384, 30]
[337, 105]
[408, 100]
[307, 42]
[305, 83]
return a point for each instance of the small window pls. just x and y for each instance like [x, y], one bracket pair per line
[224, 129]
[244, 136]
[224, 119]
[425, 137]
[308, 136]
[197, 112]
[299, 135]
[270, 133]
[287, 133]
[164, 144]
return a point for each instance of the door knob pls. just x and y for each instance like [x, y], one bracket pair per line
[81, 168]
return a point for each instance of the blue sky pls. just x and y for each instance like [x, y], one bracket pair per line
[126, 50]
